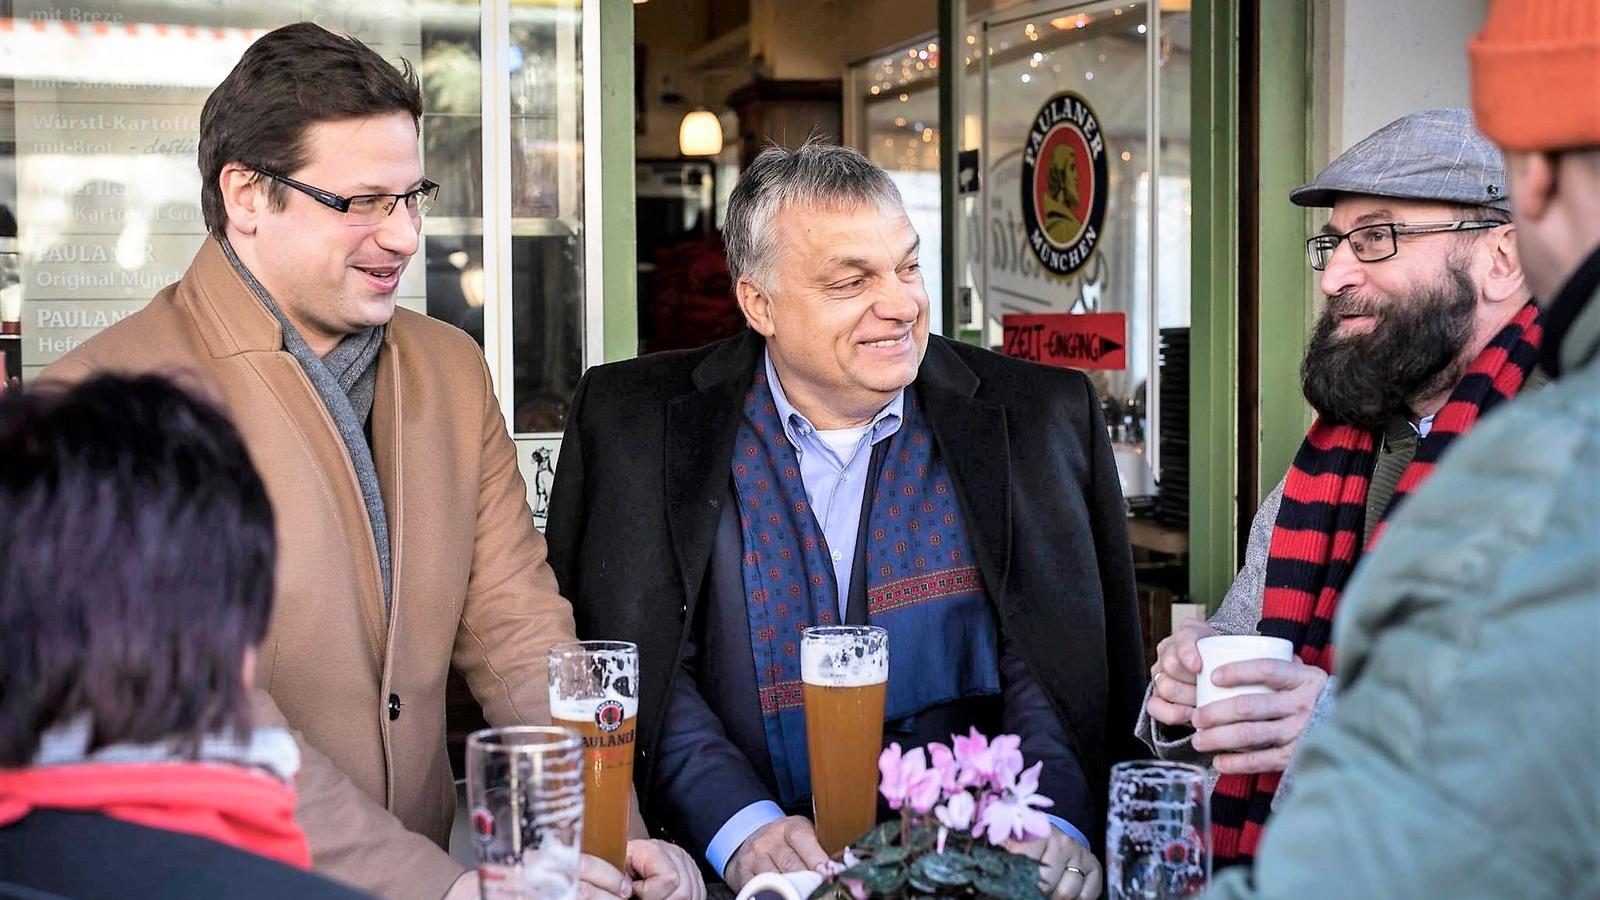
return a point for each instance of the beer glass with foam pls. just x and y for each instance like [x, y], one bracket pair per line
[844, 672]
[594, 690]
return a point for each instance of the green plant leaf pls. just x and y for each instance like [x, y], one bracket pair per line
[989, 886]
[829, 889]
[939, 869]
[992, 862]
[958, 859]
[891, 855]
[886, 880]
[1023, 867]
[862, 870]
[883, 835]
[1006, 888]
[920, 884]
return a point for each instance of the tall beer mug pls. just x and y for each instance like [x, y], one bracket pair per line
[594, 690]
[844, 671]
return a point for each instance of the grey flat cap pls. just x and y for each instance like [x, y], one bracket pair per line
[1431, 154]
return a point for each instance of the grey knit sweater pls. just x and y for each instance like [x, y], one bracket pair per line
[1240, 613]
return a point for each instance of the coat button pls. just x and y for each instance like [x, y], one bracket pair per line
[394, 707]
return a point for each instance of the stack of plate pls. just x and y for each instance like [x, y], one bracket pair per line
[1172, 490]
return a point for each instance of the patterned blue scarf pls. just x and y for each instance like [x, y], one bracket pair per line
[923, 583]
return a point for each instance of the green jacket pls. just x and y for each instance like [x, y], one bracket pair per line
[1462, 758]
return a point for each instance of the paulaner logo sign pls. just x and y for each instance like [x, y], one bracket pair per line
[1064, 183]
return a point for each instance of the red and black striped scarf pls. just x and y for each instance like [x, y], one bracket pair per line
[1316, 542]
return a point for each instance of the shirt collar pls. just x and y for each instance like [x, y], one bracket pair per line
[796, 425]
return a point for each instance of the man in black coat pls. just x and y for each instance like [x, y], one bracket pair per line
[710, 503]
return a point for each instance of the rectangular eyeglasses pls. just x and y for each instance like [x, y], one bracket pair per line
[364, 209]
[1380, 241]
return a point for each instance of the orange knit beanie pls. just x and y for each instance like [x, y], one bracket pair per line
[1536, 74]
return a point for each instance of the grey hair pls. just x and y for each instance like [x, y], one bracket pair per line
[815, 174]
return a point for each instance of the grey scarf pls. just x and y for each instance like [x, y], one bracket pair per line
[346, 380]
[271, 750]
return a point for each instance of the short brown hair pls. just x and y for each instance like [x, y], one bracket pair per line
[289, 79]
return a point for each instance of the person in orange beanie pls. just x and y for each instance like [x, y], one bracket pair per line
[1460, 758]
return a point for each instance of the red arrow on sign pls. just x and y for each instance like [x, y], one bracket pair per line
[1073, 340]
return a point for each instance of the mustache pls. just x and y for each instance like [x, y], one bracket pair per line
[1349, 303]
[1411, 351]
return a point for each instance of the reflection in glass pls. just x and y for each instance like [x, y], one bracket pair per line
[1158, 843]
[1013, 61]
[101, 175]
[547, 247]
[898, 128]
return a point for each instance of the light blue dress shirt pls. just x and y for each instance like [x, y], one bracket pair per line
[836, 484]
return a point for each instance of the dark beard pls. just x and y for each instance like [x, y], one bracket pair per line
[1413, 351]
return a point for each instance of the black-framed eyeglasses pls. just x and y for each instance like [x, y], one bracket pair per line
[364, 209]
[1381, 240]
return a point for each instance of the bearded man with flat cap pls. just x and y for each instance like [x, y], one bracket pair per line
[1426, 326]
[1460, 761]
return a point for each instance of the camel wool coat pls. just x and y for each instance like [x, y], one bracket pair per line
[364, 692]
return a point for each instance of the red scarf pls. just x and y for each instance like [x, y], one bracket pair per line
[228, 804]
[1316, 542]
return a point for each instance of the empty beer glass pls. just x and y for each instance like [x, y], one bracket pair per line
[1158, 841]
[594, 690]
[844, 673]
[525, 790]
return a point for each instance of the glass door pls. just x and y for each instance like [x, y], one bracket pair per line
[99, 194]
[100, 105]
[1075, 107]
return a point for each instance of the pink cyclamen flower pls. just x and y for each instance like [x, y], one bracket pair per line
[957, 812]
[1013, 814]
[891, 782]
[944, 762]
[857, 888]
[1005, 754]
[923, 791]
[906, 778]
[972, 757]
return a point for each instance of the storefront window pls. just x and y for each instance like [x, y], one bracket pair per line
[102, 103]
[99, 124]
[1103, 226]
[547, 246]
[894, 120]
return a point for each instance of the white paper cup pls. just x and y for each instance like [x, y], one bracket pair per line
[1220, 650]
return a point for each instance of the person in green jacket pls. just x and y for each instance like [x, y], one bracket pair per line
[1462, 758]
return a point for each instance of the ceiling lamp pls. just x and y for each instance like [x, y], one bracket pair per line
[700, 134]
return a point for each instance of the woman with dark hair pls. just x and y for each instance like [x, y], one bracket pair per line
[136, 577]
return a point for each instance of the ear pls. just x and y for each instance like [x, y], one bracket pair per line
[756, 305]
[244, 197]
[1504, 280]
[247, 675]
[1533, 184]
